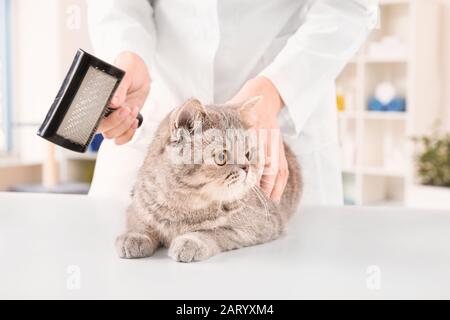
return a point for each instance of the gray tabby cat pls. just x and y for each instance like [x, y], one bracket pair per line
[203, 208]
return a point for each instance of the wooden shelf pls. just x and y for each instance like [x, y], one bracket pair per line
[70, 155]
[380, 171]
[89, 156]
[349, 170]
[385, 115]
[375, 171]
[386, 59]
[375, 150]
[347, 115]
[393, 2]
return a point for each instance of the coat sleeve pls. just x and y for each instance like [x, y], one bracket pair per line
[318, 51]
[116, 26]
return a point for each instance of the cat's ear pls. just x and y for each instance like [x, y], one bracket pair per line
[187, 115]
[246, 109]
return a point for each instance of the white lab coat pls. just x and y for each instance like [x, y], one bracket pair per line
[210, 48]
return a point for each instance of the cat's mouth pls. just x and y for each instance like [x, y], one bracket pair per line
[234, 178]
[229, 175]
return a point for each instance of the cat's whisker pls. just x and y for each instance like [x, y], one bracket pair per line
[261, 199]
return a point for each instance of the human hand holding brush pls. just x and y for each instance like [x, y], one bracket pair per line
[128, 99]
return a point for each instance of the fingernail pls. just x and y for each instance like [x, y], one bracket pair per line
[135, 124]
[115, 100]
[135, 111]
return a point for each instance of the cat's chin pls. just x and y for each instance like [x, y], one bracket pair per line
[234, 192]
[227, 194]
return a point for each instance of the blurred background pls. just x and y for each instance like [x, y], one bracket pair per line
[393, 100]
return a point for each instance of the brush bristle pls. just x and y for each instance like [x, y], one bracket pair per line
[88, 106]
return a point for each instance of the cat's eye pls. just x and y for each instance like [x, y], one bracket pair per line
[220, 158]
[248, 155]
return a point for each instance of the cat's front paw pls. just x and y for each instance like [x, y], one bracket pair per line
[189, 248]
[134, 245]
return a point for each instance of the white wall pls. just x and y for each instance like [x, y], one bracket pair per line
[46, 34]
[35, 70]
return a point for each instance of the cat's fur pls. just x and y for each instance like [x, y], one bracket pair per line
[199, 210]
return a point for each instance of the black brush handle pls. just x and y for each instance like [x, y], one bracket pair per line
[139, 117]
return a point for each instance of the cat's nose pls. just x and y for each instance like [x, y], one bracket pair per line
[245, 167]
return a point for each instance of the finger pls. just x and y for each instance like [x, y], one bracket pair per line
[267, 183]
[271, 164]
[259, 173]
[273, 153]
[280, 182]
[128, 135]
[261, 150]
[282, 173]
[123, 126]
[121, 93]
[268, 179]
[114, 119]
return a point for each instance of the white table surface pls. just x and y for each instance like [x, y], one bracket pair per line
[327, 253]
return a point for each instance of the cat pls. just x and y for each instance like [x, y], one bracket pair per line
[200, 209]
